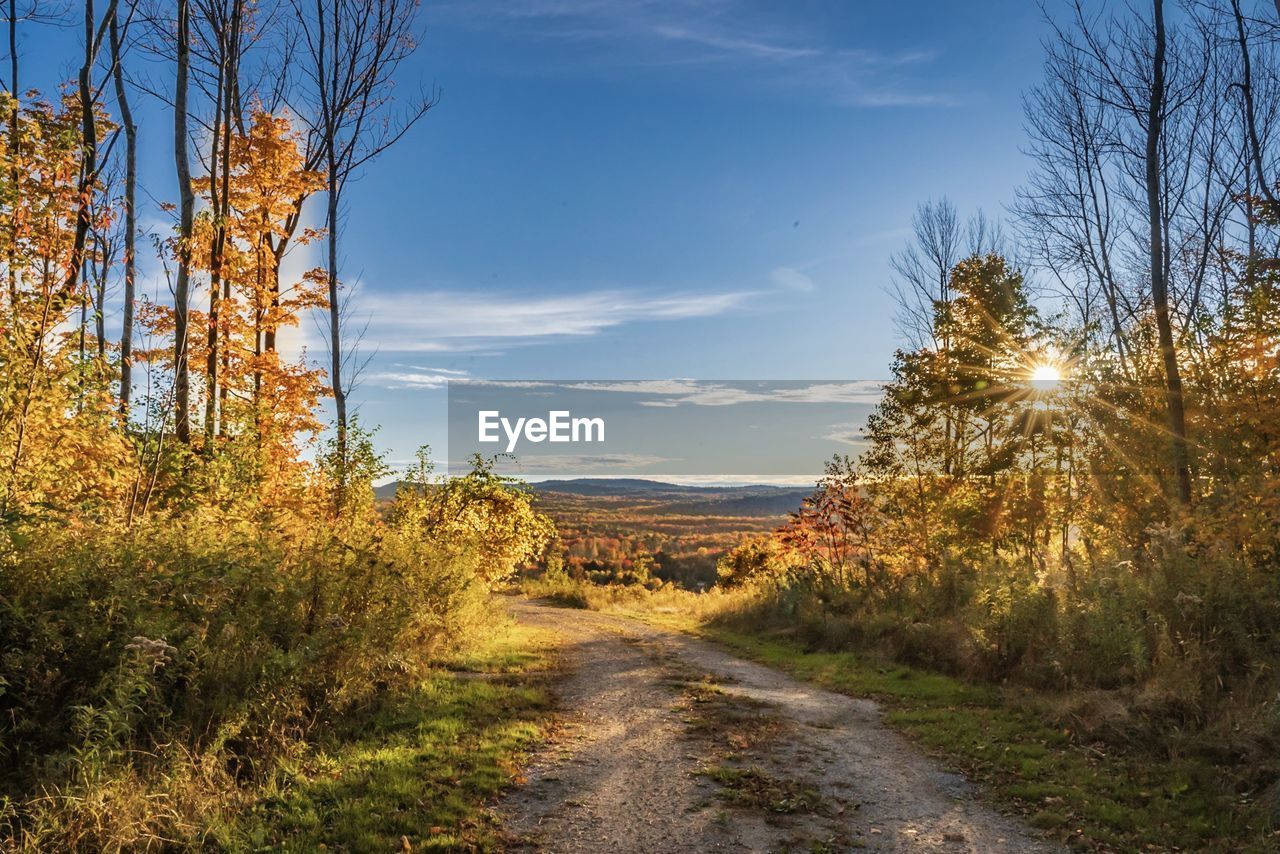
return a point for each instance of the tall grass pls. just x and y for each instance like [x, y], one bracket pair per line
[153, 678]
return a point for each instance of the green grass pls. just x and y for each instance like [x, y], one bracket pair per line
[1090, 797]
[418, 768]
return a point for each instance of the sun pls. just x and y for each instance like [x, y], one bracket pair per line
[1046, 374]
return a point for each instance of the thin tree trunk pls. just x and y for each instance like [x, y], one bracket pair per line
[1246, 89]
[215, 266]
[130, 217]
[1159, 280]
[89, 156]
[186, 212]
[335, 336]
[88, 146]
[329, 90]
[100, 268]
[14, 143]
[220, 198]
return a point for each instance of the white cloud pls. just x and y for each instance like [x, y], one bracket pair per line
[678, 392]
[451, 321]
[412, 379]
[450, 371]
[754, 48]
[848, 433]
[560, 464]
[791, 279]
[715, 394]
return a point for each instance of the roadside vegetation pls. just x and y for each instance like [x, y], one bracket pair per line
[211, 636]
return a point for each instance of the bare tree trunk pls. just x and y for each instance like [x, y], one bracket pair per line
[225, 111]
[335, 339]
[88, 144]
[130, 217]
[14, 140]
[215, 264]
[1159, 281]
[354, 48]
[100, 268]
[1250, 112]
[186, 213]
[89, 155]
[328, 90]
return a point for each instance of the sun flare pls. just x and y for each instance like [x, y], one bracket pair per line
[1046, 374]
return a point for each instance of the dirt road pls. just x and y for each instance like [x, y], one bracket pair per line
[670, 744]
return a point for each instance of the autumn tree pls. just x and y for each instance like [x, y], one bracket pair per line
[55, 419]
[267, 398]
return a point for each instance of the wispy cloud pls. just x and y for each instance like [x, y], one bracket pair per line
[781, 50]
[416, 376]
[560, 464]
[848, 433]
[755, 48]
[713, 394]
[682, 392]
[791, 279]
[453, 321]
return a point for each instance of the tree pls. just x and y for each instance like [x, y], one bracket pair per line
[118, 34]
[265, 175]
[832, 530]
[353, 50]
[1156, 106]
[186, 218]
[1138, 171]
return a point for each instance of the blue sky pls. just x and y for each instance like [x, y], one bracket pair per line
[640, 189]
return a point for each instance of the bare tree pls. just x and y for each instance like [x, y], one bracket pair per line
[353, 49]
[94, 36]
[1156, 106]
[1069, 210]
[1260, 184]
[130, 208]
[922, 269]
[224, 47]
[1139, 173]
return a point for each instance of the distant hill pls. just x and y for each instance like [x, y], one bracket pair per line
[640, 486]
[670, 498]
[784, 501]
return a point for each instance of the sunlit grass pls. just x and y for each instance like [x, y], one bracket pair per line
[1002, 739]
[1091, 796]
[421, 766]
